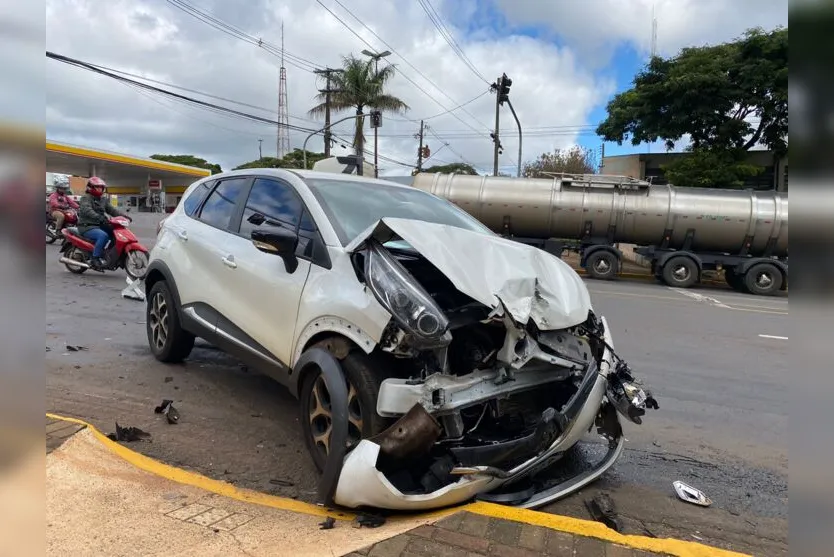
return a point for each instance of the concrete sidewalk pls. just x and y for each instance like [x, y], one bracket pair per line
[105, 499]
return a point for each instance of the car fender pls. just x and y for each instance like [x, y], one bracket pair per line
[335, 325]
[136, 246]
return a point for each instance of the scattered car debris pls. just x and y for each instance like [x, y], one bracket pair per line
[134, 290]
[73, 348]
[168, 379]
[128, 434]
[601, 509]
[328, 524]
[282, 483]
[167, 408]
[48, 349]
[691, 495]
[368, 521]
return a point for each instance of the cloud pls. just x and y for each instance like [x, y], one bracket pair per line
[595, 28]
[152, 38]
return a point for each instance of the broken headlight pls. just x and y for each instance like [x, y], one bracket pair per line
[401, 295]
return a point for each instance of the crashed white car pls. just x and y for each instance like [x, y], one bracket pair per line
[434, 360]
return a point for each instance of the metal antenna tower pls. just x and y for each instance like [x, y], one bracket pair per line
[654, 33]
[283, 111]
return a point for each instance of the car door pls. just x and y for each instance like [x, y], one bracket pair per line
[268, 297]
[207, 275]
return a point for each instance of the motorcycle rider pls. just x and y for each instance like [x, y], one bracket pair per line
[59, 203]
[93, 220]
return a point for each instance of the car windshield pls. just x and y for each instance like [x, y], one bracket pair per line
[354, 206]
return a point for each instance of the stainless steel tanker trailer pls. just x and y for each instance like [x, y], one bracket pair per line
[681, 231]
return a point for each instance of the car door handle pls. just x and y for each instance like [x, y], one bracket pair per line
[229, 261]
[183, 235]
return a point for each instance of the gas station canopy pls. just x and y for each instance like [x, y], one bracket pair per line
[120, 171]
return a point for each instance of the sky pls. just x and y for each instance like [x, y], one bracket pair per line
[566, 59]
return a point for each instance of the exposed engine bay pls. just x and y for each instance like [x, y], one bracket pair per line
[480, 399]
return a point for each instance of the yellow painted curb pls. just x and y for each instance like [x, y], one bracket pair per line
[579, 527]
[591, 529]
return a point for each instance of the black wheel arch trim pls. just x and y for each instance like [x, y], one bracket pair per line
[334, 379]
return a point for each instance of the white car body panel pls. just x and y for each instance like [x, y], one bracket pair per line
[531, 283]
[266, 296]
[335, 300]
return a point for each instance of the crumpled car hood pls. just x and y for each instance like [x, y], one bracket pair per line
[531, 283]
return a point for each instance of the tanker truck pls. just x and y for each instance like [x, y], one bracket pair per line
[682, 232]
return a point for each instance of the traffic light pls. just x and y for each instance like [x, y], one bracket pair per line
[504, 89]
[376, 119]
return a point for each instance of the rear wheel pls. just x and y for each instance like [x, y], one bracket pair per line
[76, 255]
[51, 232]
[735, 281]
[363, 375]
[680, 272]
[763, 279]
[602, 265]
[168, 341]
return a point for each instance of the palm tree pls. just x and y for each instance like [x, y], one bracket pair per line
[360, 84]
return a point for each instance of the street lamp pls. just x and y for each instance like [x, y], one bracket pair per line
[375, 56]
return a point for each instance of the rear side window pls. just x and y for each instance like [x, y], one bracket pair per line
[195, 198]
[220, 205]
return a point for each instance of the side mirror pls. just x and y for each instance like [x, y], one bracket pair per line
[278, 241]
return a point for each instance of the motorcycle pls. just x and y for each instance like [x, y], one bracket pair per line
[52, 233]
[126, 252]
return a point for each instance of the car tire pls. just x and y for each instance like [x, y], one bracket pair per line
[363, 374]
[763, 279]
[602, 265]
[680, 272]
[168, 341]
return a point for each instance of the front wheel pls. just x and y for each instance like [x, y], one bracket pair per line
[136, 264]
[51, 232]
[363, 378]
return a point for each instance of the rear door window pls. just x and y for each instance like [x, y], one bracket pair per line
[195, 198]
[220, 205]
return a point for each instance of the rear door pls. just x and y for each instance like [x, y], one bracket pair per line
[268, 296]
[206, 273]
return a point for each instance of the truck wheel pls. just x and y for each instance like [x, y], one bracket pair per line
[735, 281]
[602, 265]
[763, 279]
[680, 272]
[363, 381]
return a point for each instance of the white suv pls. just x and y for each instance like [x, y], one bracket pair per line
[433, 359]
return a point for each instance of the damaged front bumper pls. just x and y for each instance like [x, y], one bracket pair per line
[605, 389]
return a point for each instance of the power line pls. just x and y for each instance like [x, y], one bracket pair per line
[369, 45]
[437, 20]
[220, 25]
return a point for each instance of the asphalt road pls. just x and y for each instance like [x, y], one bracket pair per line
[715, 360]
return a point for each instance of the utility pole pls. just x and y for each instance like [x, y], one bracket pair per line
[260, 152]
[495, 139]
[602, 158]
[375, 56]
[327, 72]
[420, 149]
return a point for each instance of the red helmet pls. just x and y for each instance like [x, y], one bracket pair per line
[96, 186]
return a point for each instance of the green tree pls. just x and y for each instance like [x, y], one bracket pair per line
[360, 86]
[574, 160]
[293, 159]
[457, 168]
[189, 160]
[727, 98]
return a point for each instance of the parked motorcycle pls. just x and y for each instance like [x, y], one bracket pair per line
[52, 234]
[125, 253]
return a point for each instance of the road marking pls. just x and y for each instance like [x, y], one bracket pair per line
[719, 304]
[774, 336]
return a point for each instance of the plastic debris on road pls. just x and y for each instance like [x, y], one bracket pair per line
[691, 495]
[134, 290]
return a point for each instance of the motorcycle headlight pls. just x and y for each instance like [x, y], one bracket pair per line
[401, 295]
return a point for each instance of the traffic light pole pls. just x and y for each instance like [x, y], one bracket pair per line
[497, 123]
[325, 129]
[519, 136]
